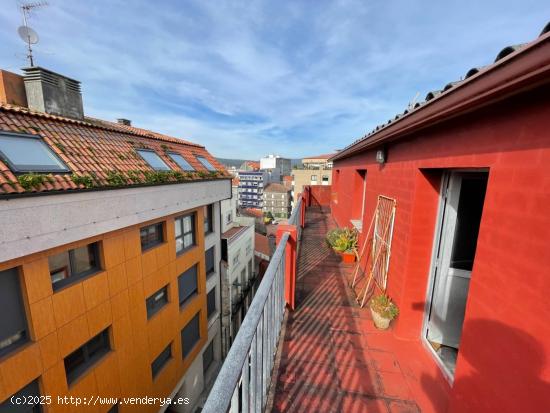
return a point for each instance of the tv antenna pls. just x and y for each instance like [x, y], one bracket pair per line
[26, 33]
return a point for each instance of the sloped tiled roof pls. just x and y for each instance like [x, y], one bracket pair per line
[323, 156]
[100, 154]
[275, 187]
[261, 244]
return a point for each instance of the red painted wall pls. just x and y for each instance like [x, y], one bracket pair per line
[320, 195]
[503, 363]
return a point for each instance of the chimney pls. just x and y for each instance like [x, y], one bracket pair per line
[53, 93]
[122, 121]
[12, 89]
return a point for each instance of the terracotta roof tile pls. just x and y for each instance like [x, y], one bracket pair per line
[261, 244]
[100, 151]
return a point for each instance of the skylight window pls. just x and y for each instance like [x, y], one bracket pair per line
[180, 160]
[205, 163]
[153, 160]
[29, 153]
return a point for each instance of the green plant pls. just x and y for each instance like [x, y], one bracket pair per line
[157, 177]
[85, 180]
[28, 181]
[383, 305]
[61, 147]
[134, 176]
[116, 178]
[342, 239]
[202, 174]
[121, 157]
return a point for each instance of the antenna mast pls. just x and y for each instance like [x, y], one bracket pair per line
[28, 35]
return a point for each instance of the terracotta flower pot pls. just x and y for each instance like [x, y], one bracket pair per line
[380, 322]
[348, 257]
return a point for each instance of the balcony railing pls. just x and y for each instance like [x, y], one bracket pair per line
[244, 379]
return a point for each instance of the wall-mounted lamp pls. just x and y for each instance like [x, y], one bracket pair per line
[381, 156]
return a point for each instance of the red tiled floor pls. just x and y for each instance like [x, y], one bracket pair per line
[332, 358]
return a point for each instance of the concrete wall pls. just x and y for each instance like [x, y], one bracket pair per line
[504, 343]
[33, 224]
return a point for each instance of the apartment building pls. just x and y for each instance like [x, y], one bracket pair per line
[237, 268]
[277, 200]
[276, 165]
[251, 188]
[315, 170]
[110, 236]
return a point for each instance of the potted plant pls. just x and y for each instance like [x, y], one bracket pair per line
[344, 242]
[383, 310]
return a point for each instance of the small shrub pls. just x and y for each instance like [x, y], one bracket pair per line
[61, 147]
[116, 178]
[342, 239]
[134, 176]
[85, 180]
[383, 305]
[28, 181]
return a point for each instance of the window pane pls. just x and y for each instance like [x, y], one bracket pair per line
[190, 335]
[178, 223]
[29, 154]
[153, 160]
[161, 360]
[179, 245]
[80, 360]
[151, 236]
[208, 356]
[13, 323]
[211, 303]
[187, 284]
[188, 240]
[209, 260]
[187, 223]
[156, 301]
[84, 258]
[182, 163]
[206, 163]
[30, 393]
[60, 268]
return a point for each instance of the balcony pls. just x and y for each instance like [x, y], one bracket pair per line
[306, 346]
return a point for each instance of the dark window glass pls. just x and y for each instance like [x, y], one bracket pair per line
[151, 235]
[161, 360]
[181, 161]
[190, 335]
[211, 303]
[187, 284]
[207, 357]
[153, 160]
[185, 232]
[209, 260]
[468, 218]
[30, 393]
[206, 163]
[70, 266]
[208, 223]
[158, 300]
[80, 360]
[13, 323]
[29, 153]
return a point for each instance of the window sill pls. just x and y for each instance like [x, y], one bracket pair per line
[189, 300]
[157, 312]
[152, 247]
[185, 250]
[75, 280]
[88, 369]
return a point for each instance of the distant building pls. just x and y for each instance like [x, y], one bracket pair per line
[277, 200]
[276, 165]
[316, 170]
[238, 273]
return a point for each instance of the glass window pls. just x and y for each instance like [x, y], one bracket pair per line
[181, 161]
[155, 302]
[208, 222]
[153, 160]
[314, 178]
[80, 360]
[29, 153]
[208, 357]
[209, 260]
[205, 163]
[161, 360]
[185, 232]
[190, 335]
[211, 303]
[13, 323]
[70, 266]
[30, 394]
[325, 178]
[187, 284]
[151, 236]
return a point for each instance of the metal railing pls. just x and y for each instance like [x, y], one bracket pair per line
[245, 377]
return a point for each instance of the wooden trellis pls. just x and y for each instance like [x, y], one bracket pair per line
[377, 248]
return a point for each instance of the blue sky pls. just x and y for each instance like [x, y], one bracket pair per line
[247, 78]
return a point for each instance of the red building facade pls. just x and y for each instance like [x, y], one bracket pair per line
[470, 263]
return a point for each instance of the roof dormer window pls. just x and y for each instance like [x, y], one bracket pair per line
[153, 160]
[205, 163]
[181, 161]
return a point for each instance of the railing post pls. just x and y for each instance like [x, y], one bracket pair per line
[303, 212]
[290, 261]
